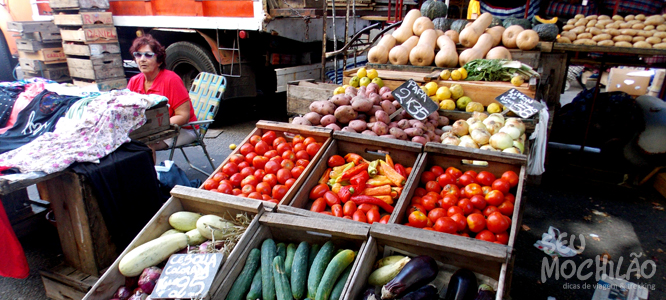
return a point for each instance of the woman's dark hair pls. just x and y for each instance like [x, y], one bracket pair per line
[155, 46]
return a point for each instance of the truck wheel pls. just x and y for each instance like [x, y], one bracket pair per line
[6, 60]
[188, 60]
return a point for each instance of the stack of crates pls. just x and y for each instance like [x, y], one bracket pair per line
[90, 42]
[40, 50]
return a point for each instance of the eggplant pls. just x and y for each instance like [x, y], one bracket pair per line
[486, 292]
[370, 294]
[428, 292]
[418, 272]
[463, 286]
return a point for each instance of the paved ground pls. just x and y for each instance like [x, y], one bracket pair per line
[579, 194]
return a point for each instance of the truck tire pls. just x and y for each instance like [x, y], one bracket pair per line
[189, 59]
[6, 60]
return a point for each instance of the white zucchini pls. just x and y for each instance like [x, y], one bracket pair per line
[212, 223]
[194, 237]
[171, 231]
[386, 273]
[151, 253]
[184, 220]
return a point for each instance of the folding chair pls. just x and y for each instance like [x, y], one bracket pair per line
[205, 94]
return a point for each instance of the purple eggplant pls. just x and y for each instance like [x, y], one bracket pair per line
[428, 292]
[370, 294]
[463, 286]
[418, 272]
[486, 292]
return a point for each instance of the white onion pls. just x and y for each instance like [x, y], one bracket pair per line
[516, 122]
[501, 141]
[511, 150]
[460, 128]
[468, 144]
[477, 125]
[480, 136]
[499, 116]
[520, 146]
[522, 138]
[488, 147]
[450, 140]
[472, 120]
[514, 132]
[492, 126]
[479, 115]
[466, 138]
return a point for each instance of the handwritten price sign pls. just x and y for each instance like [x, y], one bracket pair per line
[519, 103]
[187, 276]
[414, 100]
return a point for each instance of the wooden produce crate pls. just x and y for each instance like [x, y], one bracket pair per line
[284, 228]
[34, 65]
[78, 4]
[454, 115]
[34, 45]
[306, 72]
[489, 265]
[97, 67]
[92, 34]
[84, 19]
[72, 48]
[157, 119]
[300, 94]
[46, 37]
[65, 283]
[660, 183]
[47, 55]
[32, 26]
[371, 148]
[56, 74]
[288, 131]
[103, 85]
[183, 199]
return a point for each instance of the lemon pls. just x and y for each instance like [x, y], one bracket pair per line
[372, 74]
[463, 72]
[354, 81]
[456, 91]
[364, 81]
[339, 90]
[447, 104]
[434, 99]
[494, 108]
[462, 102]
[443, 93]
[378, 81]
[473, 106]
[445, 75]
[361, 73]
[517, 80]
[346, 86]
[232, 146]
[431, 88]
[425, 89]
[455, 75]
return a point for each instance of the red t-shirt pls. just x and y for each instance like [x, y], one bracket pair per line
[167, 84]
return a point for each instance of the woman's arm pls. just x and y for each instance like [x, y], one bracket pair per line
[181, 114]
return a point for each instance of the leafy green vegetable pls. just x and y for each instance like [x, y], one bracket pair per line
[497, 70]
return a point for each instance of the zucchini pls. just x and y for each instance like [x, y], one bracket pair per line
[313, 253]
[289, 260]
[171, 231]
[299, 271]
[282, 289]
[255, 288]
[386, 273]
[337, 265]
[319, 267]
[194, 237]
[336, 293]
[184, 220]
[268, 251]
[282, 250]
[244, 280]
[151, 253]
[389, 260]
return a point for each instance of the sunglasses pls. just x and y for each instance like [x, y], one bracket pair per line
[148, 55]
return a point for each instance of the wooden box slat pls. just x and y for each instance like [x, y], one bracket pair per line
[92, 34]
[104, 85]
[79, 4]
[40, 36]
[56, 74]
[32, 26]
[34, 45]
[84, 19]
[91, 49]
[47, 55]
[300, 94]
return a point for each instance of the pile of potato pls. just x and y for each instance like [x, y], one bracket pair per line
[631, 31]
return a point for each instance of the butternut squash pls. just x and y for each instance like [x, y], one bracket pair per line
[496, 32]
[453, 35]
[510, 35]
[399, 55]
[379, 54]
[527, 39]
[424, 52]
[447, 57]
[439, 32]
[405, 31]
[422, 24]
[499, 52]
[479, 50]
[471, 34]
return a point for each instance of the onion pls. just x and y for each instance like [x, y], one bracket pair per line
[516, 122]
[479, 115]
[499, 116]
[501, 141]
[492, 126]
[148, 279]
[466, 138]
[480, 136]
[204, 247]
[488, 147]
[122, 293]
[520, 146]
[460, 128]
[514, 132]
[522, 138]
[468, 144]
[472, 120]
[478, 125]
[450, 140]
[511, 150]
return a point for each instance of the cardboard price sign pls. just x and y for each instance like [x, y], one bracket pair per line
[519, 103]
[414, 100]
[187, 276]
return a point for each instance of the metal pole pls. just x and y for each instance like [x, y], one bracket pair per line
[323, 43]
[594, 100]
[344, 63]
[335, 47]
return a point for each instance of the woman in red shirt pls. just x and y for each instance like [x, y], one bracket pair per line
[150, 56]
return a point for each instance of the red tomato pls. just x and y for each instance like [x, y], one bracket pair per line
[497, 223]
[478, 201]
[494, 198]
[297, 171]
[278, 159]
[417, 219]
[279, 191]
[466, 206]
[445, 179]
[302, 155]
[416, 207]
[225, 188]
[347, 217]
[486, 235]
[230, 168]
[451, 189]
[244, 164]
[290, 182]
[336, 210]
[506, 208]
[446, 224]
[420, 191]
[247, 171]
[249, 157]
[501, 185]
[433, 186]
[236, 179]
[429, 202]
[384, 219]
[271, 153]
[282, 148]
[271, 167]
[486, 189]
[429, 228]
[448, 201]
[261, 148]
[255, 195]
[454, 210]
[287, 164]
[477, 211]
[298, 139]
[473, 189]
[251, 180]
[210, 184]
[302, 162]
[318, 191]
[289, 155]
[428, 176]
[309, 140]
[259, 174]
[312, 149]
[255, 139]
[360, 216]
[511, 178]
[279, 140]
[465, 234]
[489, 210]
[271, 179]
[332, 199]
[259, 161]
[246, 148]
[235, 191]
[416, 200]
[219, 176]
[237, 158]
[436, 213]
[373, 216]
[453, 172]
[485, 178]
[264, 188]
[326, 213]
[298, 147]
[349, 208]
[266, 197]
[437, 170]
[471, 173]
[510, 197]
[269, 137]
[318, 205]
[502, 238]
[460, 220]
[336, 161]
[476, 222]
[247, 189]
[365, 207]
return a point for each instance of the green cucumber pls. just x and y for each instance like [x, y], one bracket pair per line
[282, 288]
[299, 271]
[289, 260]
[255, 288]
[268, 252]
[337, 265]
[319, 267]
[337, 289]
[313, 253]
[282, 250]
[244, 280]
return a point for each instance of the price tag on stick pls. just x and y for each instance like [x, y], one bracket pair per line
[188, 276]
[414, 100]
[519, 103]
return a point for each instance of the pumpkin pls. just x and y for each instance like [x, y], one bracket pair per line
[526, 24]
[496, 22]
[379, 54]
[434, 9]
[471, 34]
[447, 57]
[479, 50]
[539, 20]
[422, 24]
[399, 55]
[404, 32]
[546, 32]
[527, 39]
[499, 52]
[496, 32]
[510, 35]
[459, 25]
[424, 52]
[442, 24]
[452, 34]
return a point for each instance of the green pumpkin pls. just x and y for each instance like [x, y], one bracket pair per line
[459, 25]
[434, 9]
[442, 24]
[526, 24]
[546, 32]
[495, 22]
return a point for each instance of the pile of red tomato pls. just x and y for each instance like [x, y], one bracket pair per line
[469, 204]
[265, 167]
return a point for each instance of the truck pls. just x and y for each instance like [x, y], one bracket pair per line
[244, 40]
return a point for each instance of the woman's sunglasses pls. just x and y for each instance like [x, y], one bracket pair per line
[148, 55]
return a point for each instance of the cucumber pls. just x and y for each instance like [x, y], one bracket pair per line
[268, 251]
[337, 289]
[255, 288]
[289, 260]
[299, 271]
[337, 265]
[282, 288]
[282, 250]
[313, 253]
[244, 280]
[318, 267]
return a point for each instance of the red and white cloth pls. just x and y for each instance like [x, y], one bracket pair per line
[12, 258]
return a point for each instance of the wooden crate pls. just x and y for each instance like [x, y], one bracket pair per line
[49, 55]
[34, 65]
[56, 74]
[103, 85]
[183, 199]
[91, 49]
[284, 228]
[66, 283]
[40, 36]
[84, 19]
[454, 115]
[288, 131]
[157, 119]
[33, 45]
[660, 183]
[97, 67]
[286, 75]
[32, 26]
[371, 148]
[78, 4]
[490, 265]
[300, 94]
[92, 34]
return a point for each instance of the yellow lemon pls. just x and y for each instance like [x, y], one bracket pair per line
[455, 75]
[364, 81]
[354, 81]
[517, 80]
[378, 81]
[447, 104]
[443, 93]
[232, 146]
[425, 89]
[494, 108]
[346, 86]
[372, 74]
[434, 99]
[339, 90]
[456, 91]
[431, 88]
[361, 73]
[473, 106]
[445, 75]
[463, 73]
[462, 102]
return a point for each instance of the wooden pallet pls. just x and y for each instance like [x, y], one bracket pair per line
[56, 74]
[34, 65]
[66, 283]
[300, 94]
[34, 45]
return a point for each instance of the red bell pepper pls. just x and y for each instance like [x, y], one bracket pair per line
[400, 169]
[353, 171]
[346, 193]
[359, 181]
[358, 200]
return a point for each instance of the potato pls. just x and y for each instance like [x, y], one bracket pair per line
[653, 40]
[578, 30]
[398, 133]
[593, 30]
[387, 136]
[340, 99]
[322, 107]
[568, 34]
[358, 125]
[372, 88]
[443, 121]
[327, 119]
[629, 17]
[625, 25]
[601, 37]
[414, 132]
[631, 32]
[417, 124]
[380, 128]
[388, 107]
[640, 17]
[384, 89]
[333, 126]
[361, 117]
[301, 121]
[591, 23]
[648, 27]
[404, 124]
[587, 42]
[638, 39]
[313, 117]
[622, 38]
[369, 132]
[607, 43]
[579, 16]
[586, 35]
[661, 27]
[580, 22]
[361, 103]
[419, 139]
[396, 104]
[591, 17]
[351, 91]
[660, 35]
[646, 33]
[375, 98]
[623, 44]
[638, 26]
[348, 129]
[642, 45]
[564, 40]
[374, 109]
[388, 96]
[616, 17]
[571, 21]
[659, 46]
[345, 113]
[382, 116]
[568, 27]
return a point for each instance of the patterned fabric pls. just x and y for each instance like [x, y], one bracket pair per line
[634, 7]
[31, 91]
[104, 126]
[564, 9]
[517, 12]
[8, 96]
